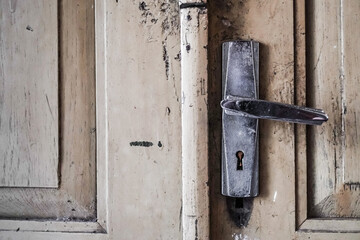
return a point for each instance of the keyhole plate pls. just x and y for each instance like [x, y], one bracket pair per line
[240, 78]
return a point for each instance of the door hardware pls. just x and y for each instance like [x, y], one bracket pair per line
[241, 111]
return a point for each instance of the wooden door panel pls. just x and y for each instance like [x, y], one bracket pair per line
[29, 126]
[351, 96]
[333, 82]
[75, 197]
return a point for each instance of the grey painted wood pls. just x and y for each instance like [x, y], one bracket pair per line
[29, 126]
[76, 195]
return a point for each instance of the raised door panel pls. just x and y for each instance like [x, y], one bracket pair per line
[29, 122]
[333, 83]
[74, 198]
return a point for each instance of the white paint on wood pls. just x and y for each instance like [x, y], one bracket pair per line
[102, 176]
[29, 126]
[331, 225]
[143, 104]
[51, 226]
[194, 38]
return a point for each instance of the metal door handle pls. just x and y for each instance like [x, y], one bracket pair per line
[260, 109]
[241, 111]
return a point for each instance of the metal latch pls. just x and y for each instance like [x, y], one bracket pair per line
[241, 111]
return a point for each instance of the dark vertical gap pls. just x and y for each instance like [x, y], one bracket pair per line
[239, 203]
[60, 90]
[95, 101]
[310, 18]
[295, 17]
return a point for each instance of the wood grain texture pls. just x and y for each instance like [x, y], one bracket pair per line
[324, 89]
[333, 189]
[194, 118]
[76, 196]
[351, 86]
[300, 99]
[29, 122]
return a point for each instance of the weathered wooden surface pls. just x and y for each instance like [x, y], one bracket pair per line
[270, 23]
[278, 26]
[144, 119]
[194, 117]
[29, 126]
[76, 196]
[300, 99]
[333, 80]
[351, 95]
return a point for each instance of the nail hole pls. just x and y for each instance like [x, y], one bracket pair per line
[240, 156]
[239, 203]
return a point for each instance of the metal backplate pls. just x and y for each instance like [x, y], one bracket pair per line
[240, 77]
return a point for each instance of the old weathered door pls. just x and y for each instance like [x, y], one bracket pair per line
[309, 176]
[94, 140]
[110, 129]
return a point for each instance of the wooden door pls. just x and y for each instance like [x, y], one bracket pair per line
[111, 126]
[102, 156]
[308, 175]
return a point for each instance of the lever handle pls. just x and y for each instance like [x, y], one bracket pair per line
[241, 111]
[254, 108]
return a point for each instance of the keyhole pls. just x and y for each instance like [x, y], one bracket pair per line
[240, 156]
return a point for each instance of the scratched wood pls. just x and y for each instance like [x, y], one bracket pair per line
[29, 122]
[333, 78]
[76, 196]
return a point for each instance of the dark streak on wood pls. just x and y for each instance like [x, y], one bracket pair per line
[29, 28]
[141, 144]
[180, 218]
[143, 6]
[193, 5]
[240, 213]
[196, 230]
[166, 60]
